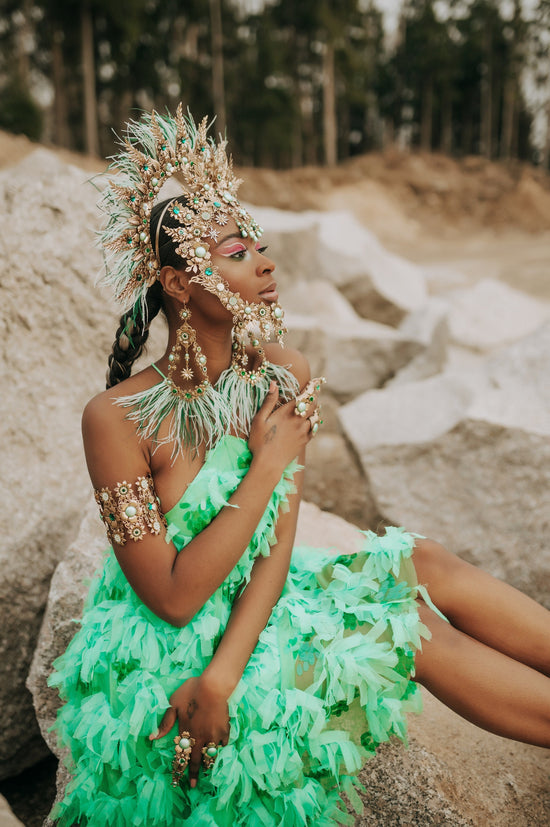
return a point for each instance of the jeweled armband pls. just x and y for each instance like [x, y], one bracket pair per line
[128, 514]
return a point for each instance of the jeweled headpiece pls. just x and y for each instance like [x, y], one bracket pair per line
[154, 149]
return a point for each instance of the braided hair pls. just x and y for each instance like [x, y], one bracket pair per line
[133, 329]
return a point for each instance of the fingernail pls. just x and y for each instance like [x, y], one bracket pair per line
[193, 783]
[272, 386]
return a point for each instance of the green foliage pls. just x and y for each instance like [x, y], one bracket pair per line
[18, 111]
[451, 83]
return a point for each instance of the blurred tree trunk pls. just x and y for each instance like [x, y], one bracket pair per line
[545, 160]
[329, 106]
[91, 141]
[60, 105]
[23, 48]
[447, 121]
[218, 90]
[486, 126]
[427, 113]
[508, 117]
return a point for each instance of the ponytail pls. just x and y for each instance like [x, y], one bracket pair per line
[131, 335]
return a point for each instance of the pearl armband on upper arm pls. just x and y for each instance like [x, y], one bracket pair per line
[130, 514]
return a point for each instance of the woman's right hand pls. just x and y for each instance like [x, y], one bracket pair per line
[277, 435]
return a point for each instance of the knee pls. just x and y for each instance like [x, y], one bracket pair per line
[432, 561]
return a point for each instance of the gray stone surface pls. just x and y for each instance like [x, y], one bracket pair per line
[335, 247]
[354, 354]
[465, 458]
[429, 326]
[455, 775]
[56, 330]
[7, 818]
[491, 314]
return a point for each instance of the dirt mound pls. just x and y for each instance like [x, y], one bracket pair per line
[399, 195]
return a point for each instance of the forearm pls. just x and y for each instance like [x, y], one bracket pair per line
[251, 611]
[205, 563]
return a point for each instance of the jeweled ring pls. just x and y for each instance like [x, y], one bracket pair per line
[209, 755]
[315, 421]
[304, 399]
[184, 744]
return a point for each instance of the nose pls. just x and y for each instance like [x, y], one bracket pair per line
[265, 264]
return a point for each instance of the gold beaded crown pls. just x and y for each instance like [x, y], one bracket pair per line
[156, 148]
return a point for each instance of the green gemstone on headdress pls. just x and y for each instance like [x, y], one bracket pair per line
[128, 239]
[199, 390]
[132, 198]
[183, 140]
[203, 148]
[145, 168]
[176, 210]
[208, 271]
[144, 221]
[163, 147]
[188, 395]
[217, 203]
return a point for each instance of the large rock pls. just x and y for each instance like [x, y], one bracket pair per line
[7, 818]
[453, 773]
[492, 314]
[354, 354]
[335, 247]
[56, 331]
[465, 458]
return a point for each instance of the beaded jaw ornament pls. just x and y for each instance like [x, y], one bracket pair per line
[154, 149]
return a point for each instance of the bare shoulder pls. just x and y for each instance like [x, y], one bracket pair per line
[111, 443]
[290, 358]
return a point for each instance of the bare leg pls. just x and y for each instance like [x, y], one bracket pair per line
[485, 608]
[488, 688]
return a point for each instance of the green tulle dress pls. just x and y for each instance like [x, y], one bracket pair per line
[329, 679]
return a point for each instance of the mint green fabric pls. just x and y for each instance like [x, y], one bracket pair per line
[329, 679]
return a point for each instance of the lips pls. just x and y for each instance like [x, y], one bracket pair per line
[270, 293]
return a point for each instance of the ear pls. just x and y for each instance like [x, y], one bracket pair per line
[175, 283]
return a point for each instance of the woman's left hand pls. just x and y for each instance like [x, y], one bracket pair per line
[200, 708]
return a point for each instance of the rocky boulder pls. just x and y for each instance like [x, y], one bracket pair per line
[335, 247]
[491, 314]
[56, 331]
[354, 354]
[465, 458]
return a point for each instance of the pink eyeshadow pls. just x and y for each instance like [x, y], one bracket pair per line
[232, 248]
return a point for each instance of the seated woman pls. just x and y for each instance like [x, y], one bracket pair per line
[218, 677]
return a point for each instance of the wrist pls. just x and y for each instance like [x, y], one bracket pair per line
[217, 682]
[268, 470]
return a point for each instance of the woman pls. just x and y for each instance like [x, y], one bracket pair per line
[218, 678]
